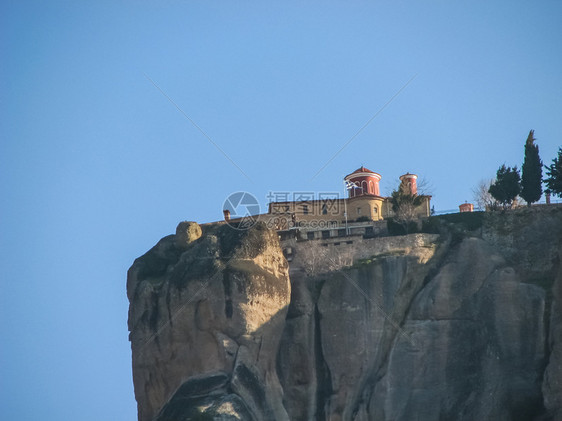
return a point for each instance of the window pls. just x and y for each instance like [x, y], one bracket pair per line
[326, 234]
[324, 209]
[341, 232]
[375, 210]
[305, 209]
[310, 235]
[358, 211]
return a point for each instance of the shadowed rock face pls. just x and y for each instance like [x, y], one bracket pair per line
[428, 331]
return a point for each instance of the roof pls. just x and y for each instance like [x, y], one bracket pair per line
[362, 170]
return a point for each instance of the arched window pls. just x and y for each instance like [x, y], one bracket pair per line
[364, 187]
[371, 188]
[375, 211]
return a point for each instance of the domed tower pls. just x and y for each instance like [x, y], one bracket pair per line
[363, 182]
[409, 183]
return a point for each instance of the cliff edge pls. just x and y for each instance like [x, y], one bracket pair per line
[463, 323]
[205, 320]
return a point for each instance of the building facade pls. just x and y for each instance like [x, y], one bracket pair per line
[362, 212]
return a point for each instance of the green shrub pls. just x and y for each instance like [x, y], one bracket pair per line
[431, 225]
[469, 220]
[396, 228]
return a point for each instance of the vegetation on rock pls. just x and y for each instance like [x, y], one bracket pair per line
[507, 186]
[554, 172]
[404, 205]
[531, 172]
[482, 197]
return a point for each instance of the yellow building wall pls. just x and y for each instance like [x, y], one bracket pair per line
[318, 214]
[361, 206]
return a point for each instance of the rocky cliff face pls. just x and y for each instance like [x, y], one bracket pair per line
[456, 326]
[205, 318]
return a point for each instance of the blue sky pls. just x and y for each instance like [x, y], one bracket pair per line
[96, 164]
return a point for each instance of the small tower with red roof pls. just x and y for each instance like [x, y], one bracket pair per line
[363, 182]
[408, 183]
[466, 207]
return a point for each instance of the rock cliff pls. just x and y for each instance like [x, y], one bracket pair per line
[461, 324]
[205, 318]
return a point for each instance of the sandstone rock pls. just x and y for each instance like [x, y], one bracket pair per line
[361, 312]
[206, 310]
[477, 349]
[299, 360]
[424, 329]
[187, 232]
[552, 384]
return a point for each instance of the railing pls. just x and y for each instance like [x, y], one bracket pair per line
[445, 212]
[542, 202]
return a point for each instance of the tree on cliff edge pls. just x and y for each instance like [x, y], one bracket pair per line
[554, 172]
[404, 206]
[481, 195]
[531, 172]
[507, 185]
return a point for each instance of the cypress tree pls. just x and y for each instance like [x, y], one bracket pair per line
[531, 172]
[554, 172]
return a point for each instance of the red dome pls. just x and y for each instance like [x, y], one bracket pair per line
[360, 170]
[362, 182]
